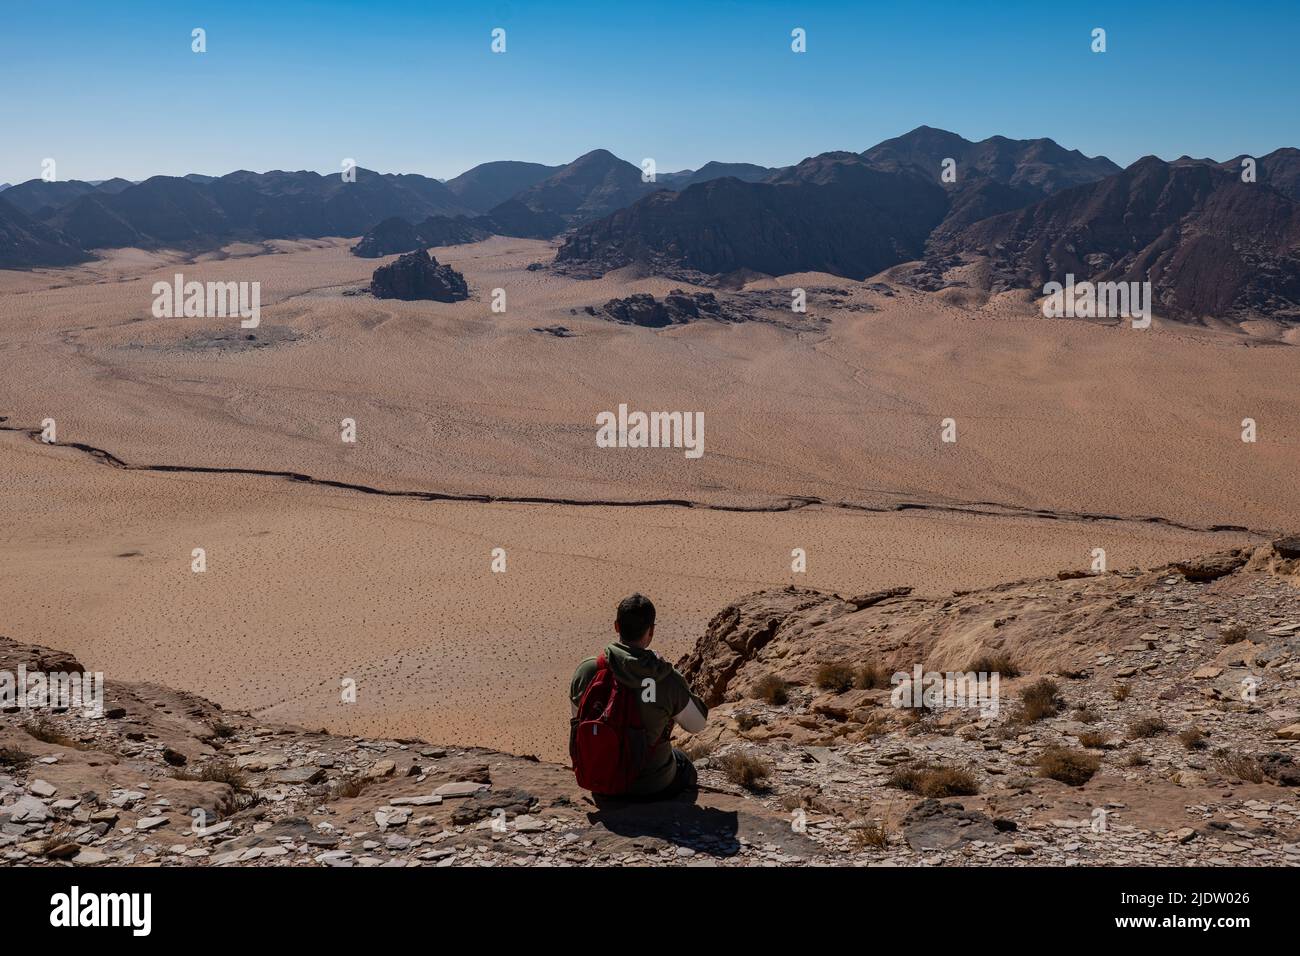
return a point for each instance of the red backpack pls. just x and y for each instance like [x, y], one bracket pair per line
[608, 744]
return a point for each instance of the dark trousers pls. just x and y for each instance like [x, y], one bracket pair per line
[686, 778]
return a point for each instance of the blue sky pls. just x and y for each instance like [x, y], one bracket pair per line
[112, 89]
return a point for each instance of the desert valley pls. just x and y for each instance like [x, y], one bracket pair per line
[389, 516]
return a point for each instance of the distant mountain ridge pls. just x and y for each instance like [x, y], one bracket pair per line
[1211, 242]
[490, 184]
[850, 214]
[25, 243]
[196, 212]
[835, 213]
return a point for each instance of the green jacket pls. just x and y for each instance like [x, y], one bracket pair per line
[665, 696]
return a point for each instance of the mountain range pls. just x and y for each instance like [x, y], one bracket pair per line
[1208, 240]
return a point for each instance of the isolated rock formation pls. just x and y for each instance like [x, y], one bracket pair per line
[676, 308]
[417, 275]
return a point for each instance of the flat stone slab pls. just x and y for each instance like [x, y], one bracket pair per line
[425, 801]
[461, 788]
[300, 776]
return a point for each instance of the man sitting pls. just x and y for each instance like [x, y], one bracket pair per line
[635, 697]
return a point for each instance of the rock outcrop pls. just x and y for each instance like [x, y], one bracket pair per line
[1209, 244]
[834, 213]
[676, 308]
[417, 275]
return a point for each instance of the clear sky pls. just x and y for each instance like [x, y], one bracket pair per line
[113, 89]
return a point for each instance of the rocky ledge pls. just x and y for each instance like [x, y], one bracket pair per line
[1147, 717]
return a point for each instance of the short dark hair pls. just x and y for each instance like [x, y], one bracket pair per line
[636, 615]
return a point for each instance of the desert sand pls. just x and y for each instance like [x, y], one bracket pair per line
[1071, 436]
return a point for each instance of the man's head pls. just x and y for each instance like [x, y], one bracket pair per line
[635, 622]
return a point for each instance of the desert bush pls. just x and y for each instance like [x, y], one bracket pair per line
[1145, 727]
[746, 770]
[871, 676]
[216, 771]
[1193, 738]
[1039, 699]
[871, 834]
[772, 689]
[934, 781]
[1121, 692]
[698, 749]
[1136, 759]
[747, 721]
[1074, 767]
[14, 759]
[1239, 766]
[835, 677]
[1086, 715]
[995, 662]
[1094, 740]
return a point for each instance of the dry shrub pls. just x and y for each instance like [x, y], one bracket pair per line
[698, 749]
[772, 689]
[1039, 699]
[12, 758]
[1086, 715]
[1145, 727]
[934, 781]
[871, 834]
[216, 771]
[1193, 738]
[835, 677]
[1239, 765]
[1121, 692]
[872, 676]
[1093, 739]
[1074, 767]
[995, 662]
[746, 770]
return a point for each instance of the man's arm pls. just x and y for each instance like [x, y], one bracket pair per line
[693, 715]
